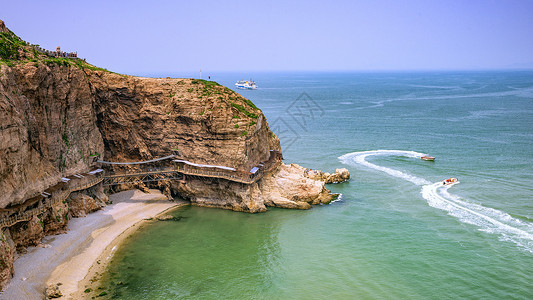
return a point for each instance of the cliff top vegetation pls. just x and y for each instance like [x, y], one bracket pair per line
[14, 50]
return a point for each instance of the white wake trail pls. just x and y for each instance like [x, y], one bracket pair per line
[487, 219]
[436, 194]
[360, 158]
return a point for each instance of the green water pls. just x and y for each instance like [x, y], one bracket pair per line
[396, 233]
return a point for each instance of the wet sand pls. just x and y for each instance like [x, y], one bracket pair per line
[72, 259]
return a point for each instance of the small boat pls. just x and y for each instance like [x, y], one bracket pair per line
[449, 181]
[426, 157]
[246, 85]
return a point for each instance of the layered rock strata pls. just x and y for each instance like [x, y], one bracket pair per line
[58, 115]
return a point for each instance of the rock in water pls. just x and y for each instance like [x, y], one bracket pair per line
[340, 175]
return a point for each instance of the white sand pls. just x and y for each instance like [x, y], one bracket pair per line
[70, 256]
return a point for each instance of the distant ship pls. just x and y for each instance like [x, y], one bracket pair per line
[246, 85]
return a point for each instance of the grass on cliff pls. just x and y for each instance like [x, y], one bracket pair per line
[10, 45]
[209, 88]
[243, 110]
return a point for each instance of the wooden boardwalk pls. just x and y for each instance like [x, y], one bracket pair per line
[11, 216]
[148, 174]
[173, 171]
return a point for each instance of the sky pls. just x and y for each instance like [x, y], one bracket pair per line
[147, 37]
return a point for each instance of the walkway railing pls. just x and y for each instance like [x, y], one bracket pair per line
[237, 176]
[188, 168]
[56, 197]
[179, 167]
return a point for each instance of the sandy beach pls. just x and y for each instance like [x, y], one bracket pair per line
[72, 259]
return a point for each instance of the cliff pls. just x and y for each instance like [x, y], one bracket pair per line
[58, 115]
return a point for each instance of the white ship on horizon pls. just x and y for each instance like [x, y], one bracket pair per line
[246, 85]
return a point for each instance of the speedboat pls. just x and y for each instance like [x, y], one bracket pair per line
[427, 157]
[449, 181]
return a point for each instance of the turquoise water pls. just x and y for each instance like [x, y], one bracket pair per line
[396, 233]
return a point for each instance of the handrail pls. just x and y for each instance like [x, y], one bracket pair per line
[237, 176]
[135, 162]
[56, 198]
[231, 175]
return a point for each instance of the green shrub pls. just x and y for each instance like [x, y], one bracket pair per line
[243, 110]
[65, 140]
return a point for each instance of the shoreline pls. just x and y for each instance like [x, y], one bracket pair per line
[99, 266]
[72, 259]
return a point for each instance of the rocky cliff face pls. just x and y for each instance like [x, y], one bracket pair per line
[144, 118]
[58, 114]
[48, 127]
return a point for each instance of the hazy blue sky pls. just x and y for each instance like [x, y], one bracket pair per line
[171, 36]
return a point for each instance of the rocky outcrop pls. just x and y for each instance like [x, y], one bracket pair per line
[145, 118]
[3, 27]
[286, 186]
[80, 204]
[57, 115]
[28, 233]
[53, 291]
[340, 175]
[48, 128]
[55, 220]
[7, 253]
[290, 185]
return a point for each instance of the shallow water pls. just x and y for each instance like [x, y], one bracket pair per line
[396, 232]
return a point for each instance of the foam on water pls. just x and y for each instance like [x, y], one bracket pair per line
[360, 158]
[487, 219]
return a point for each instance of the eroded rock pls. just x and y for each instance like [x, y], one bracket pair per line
[7, 252]
[80, 204]
[53, 291]
[55, 219]
[340, 175]
[27, 233]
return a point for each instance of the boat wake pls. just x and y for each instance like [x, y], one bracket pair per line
[360, 158]
[436, 194]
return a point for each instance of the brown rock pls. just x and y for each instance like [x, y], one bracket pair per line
[340, 175]
[80, 204]
[53, 291]
[27, 233]
[290, 183]
[48, 128]
[7, 253]
[56, 219]
[3, 27]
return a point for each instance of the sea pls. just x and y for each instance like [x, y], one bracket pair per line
[396, 232]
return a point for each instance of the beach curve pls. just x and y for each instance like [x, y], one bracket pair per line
[72, 259]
